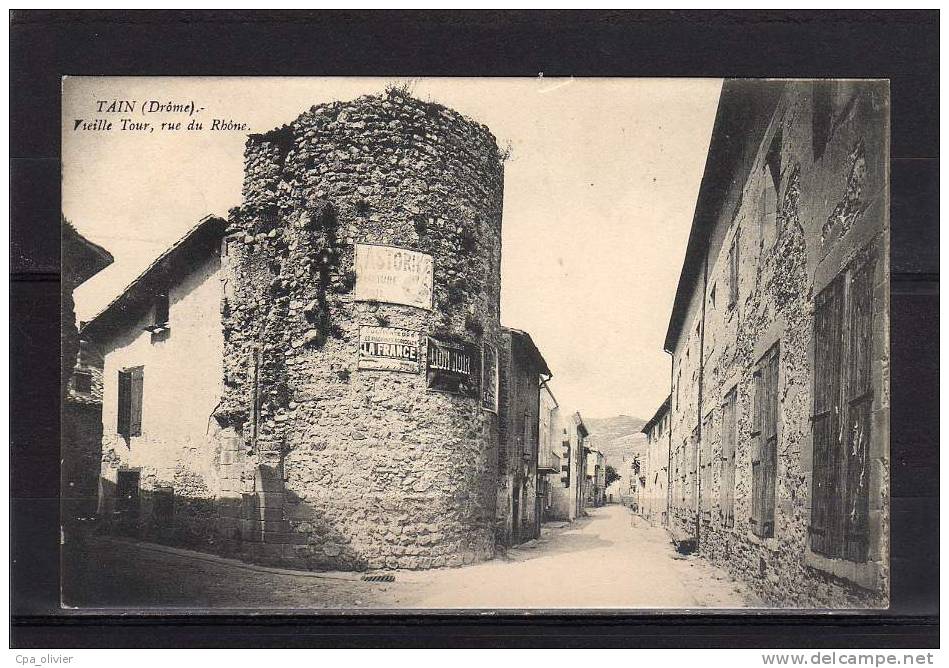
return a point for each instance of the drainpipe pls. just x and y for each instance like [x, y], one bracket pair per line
[669, 449]
[698, 449]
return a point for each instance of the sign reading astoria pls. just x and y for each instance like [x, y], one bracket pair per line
[388, 349]
[393, 275]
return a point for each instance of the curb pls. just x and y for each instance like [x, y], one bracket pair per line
[234, 563]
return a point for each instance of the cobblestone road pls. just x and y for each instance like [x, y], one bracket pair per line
[611, 559]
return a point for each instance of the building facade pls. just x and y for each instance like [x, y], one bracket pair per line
[779, 341]
[162, 346]
[595, 484]
[80, 383]
[550, 451]
[568, 498]
[521, 487]
[654, 478]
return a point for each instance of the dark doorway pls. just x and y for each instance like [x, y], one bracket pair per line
[516, 511]
[127, 501]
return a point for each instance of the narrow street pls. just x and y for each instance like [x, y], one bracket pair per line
[611, 559]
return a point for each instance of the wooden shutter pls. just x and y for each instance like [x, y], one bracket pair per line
[756, 453]
[733, 264]
[706, 464]
[826, 512]
[693, 469]
[727, 490]
[764, 438]
[137, 379]
[124, 403]
[859, 404]
[770, 440]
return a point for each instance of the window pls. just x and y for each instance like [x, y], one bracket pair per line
[227, 245]
[843, 390]
[733, 264]
[727, 490]
[82, 382]
[131, 383]
[707, 468]
[693, 472]
[684, 473]
[764, 436]
[768, 206]
[773, 159]
[161, 309]
[528, 445]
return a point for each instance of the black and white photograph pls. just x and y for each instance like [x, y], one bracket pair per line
[382, 344]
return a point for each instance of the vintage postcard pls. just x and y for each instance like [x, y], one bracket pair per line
[362, 344]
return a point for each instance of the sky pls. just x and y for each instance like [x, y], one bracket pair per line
[599, 194]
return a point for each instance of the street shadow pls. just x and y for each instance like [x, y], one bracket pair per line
[554, 540]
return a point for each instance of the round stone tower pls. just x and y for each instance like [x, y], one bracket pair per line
[361, 311]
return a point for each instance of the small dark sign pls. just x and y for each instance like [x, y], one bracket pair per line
[451, 368]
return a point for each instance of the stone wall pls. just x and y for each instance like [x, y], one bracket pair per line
[330, 465]
[656, 472]
[815, 200]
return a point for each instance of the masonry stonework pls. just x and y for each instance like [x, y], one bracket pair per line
[324, 464]
[807, 204]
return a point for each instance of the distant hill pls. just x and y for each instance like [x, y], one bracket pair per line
[615, 436]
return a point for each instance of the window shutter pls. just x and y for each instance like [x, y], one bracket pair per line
[770, 460]
[728, 461]
[137, 378]
[860, 395]
[764, 436]
[756, 454]
[733, 264]
[825, 501]
[124, 403]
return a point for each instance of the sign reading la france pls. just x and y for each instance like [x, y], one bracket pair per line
[388, 349]
[393, 275]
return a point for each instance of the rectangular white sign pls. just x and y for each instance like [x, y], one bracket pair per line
[388, 349]
[393, 275]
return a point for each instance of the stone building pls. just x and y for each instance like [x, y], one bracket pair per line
[595, 484]
[779, 344]
[80, 381]
[567, 499]
[521, 486]
[82, 433]
[162, 343]
[329, 386]
[654, 501]
[550, 450]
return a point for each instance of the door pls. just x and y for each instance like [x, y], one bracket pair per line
[127, 501]
[516, 514]
[538, 507]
